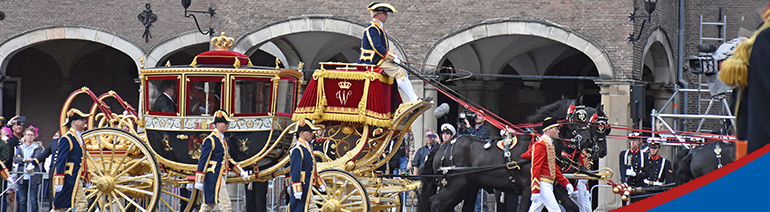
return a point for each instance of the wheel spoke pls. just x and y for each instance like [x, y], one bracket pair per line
[130, 200]
[125, 155]
[101, 152]
[142, 178]
[177, 196]
[112, 156]
[98, 195]
[166, 203]
[119, 187]
[101, 200]
[348, 196]
[116, 200]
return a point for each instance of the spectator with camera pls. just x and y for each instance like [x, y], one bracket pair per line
[422, 154]
[473, 124]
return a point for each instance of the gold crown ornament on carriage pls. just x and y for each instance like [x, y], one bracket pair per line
[222, 54]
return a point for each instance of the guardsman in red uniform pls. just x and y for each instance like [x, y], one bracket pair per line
[302, 167]
[544, 169]
[213, 165]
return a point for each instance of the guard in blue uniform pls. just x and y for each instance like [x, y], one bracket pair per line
[213, 165]
[67, 166]
[375, 49]
[302, 167]
[657, 171]
[632, 161]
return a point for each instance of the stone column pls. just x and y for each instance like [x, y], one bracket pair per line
[616, 100]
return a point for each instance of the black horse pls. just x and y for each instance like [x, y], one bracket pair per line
[479, 168]
[701, 160]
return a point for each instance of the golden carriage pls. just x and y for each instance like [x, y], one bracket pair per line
[145, 160]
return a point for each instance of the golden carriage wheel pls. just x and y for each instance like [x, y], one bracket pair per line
[125, 178]
[343, 193]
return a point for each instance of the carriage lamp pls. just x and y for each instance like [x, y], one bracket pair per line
[649, 6]
[189, 13]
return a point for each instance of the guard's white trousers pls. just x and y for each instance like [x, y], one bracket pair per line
[583, 196]
[402, 79]
[544, 199]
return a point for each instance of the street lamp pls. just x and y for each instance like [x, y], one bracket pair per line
[649, 6]
[188, 13]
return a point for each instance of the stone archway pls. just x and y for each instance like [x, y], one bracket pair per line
[159, 53]
[10, 47]
[519, 26]
[270, 39]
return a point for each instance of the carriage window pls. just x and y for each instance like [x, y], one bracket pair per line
[162, 93]
[251, 96]
[285, 97]
[204, 95]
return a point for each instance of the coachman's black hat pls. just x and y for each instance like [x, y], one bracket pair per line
[74, 114]
[376, 7]
[304, 125]
[221, 116]
[548, 123]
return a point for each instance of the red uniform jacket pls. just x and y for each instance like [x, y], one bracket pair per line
[544, 166]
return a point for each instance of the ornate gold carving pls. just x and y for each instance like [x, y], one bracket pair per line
[168, 63]
[141, 62]
[277, 62]
[344, 84]
[222, 43]
[167, 147]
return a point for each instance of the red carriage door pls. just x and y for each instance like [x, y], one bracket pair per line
[251, 96]
[204, 95]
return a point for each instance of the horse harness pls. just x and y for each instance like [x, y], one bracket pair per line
[510, 164]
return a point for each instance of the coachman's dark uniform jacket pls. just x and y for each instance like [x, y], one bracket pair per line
[303, 175]
[67, 169]
[633, 159]
[374, 45]
[213, 165]
[657, 171]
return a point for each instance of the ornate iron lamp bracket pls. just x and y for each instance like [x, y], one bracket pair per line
[189, 13]
[147, 17]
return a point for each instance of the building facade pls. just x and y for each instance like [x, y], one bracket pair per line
[50, 48]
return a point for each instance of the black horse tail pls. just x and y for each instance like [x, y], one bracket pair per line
[429, 185]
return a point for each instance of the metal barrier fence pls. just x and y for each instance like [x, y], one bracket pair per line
[603, 201]
[276, 196]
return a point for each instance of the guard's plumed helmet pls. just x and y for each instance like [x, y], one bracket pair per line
[378, 7]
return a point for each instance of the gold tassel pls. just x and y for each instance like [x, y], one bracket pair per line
[237, 63]
[734, 72]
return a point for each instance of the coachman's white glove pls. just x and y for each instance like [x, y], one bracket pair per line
[322, 188]
[396, 60]
[30, 168]
[189, 187]
[298, 195]
[570, 189]
[245, 175]
[199, 186]
[58, 188]
[11, 184]
[630, 172]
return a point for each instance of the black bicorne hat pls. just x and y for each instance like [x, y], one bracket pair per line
[74, 114]
[221, 116]
[548, 123]
[377, 7]
[304, 125]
